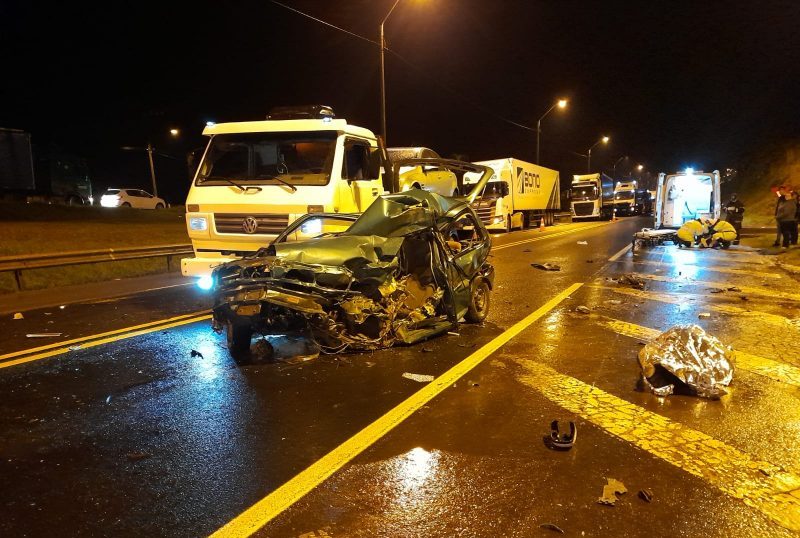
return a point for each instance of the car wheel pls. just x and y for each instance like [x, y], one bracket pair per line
[159, 206]
[125, 204]
[238, 337]
[479, 302]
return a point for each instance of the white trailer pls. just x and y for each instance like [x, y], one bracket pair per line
[518, 194]
[685, 196]
[592, 196]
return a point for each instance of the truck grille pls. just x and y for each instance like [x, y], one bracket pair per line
[583, 209]
[485, 212]
[268, 223]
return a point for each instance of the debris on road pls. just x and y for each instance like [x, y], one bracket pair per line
[76, 347]
[18, 315]
[547, 266]
[734, 289]
[42, 335]
[646, 495]
[552, 527]
[704, 315]
[610, 491]
[716, 290]
[632, 280]
[613, 302]
[196, 353]
[582, 309]
[420, 378]
[453, 333]
[559, 440]
[427, 350]
[583, 242]
[688, 356]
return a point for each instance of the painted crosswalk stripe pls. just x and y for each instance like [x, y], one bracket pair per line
[759, 484]
[777, 371]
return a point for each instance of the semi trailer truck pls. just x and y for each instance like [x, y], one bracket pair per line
[592, 196]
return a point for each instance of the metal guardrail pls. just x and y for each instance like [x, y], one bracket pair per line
[17, 264]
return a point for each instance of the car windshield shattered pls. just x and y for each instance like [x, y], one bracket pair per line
[410, 267]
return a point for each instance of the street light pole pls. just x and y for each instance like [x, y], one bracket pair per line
[383, 75]
[604, 140]
[614, 168]
[561, 103]
[150, 150]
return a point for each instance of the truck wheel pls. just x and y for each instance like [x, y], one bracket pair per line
[238, 337]
[526, 220]
[479, 302]
[74, 200]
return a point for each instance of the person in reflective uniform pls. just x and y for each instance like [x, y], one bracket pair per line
[689, 232]
[720, 233]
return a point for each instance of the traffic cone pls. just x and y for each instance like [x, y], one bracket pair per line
[541, 224]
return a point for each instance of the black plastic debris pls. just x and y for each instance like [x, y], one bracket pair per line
[552, 527]
[546, 266]
[559, 440]
[196, 353]
[646, 495]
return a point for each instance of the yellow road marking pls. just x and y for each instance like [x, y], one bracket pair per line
[548, 236]
[745, 289]
[682, 298]
[258, 515]
[777, 371]
[759, 484]
[99, 339]
[100, 335]
[715, 269]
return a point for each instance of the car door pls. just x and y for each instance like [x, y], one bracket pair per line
[466, 260]
[148, 200]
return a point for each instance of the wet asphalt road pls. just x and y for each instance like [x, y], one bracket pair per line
[135, 437]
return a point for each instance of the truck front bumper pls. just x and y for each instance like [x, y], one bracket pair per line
[197, 267]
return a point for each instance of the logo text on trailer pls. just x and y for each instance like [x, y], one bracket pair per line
[250, 225]
[529, 181]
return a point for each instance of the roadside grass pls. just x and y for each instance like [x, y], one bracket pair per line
[42, 229]
[35, 229]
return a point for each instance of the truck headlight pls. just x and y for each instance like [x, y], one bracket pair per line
[198, 224]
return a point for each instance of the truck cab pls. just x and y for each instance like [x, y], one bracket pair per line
[687, 195]
[257, 177]
[592, 196]
[625, 200]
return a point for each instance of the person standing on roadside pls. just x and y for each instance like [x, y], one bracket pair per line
[779, 193]
[786, 215]
[734, 214]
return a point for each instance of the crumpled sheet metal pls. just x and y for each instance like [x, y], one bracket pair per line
[693, 356]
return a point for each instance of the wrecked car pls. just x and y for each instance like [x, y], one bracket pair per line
[408, 268]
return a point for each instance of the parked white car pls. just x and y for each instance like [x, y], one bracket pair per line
[136, 198]
[427, 178]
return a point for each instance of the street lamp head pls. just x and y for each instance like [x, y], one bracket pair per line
[174, 132]
[562, 103]
[640, 167]
[605, 139]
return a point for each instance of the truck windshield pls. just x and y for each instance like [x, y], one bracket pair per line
[588, 192]
[624, 195]
[496, 188]
[296, 158]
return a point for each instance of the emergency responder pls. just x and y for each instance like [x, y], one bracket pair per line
[720, 234]
[689, 232]
[734, 213]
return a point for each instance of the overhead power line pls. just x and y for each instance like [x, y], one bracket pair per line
[416, 68]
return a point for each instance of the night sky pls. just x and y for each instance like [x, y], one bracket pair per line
[673, 83]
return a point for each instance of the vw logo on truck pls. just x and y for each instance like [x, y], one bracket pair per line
[250, 225]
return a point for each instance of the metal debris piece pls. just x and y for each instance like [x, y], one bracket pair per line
[76, 347]
[420, 378]
[42, 335]
[197, 354]
[704, 315]
[18, 315]
[686, 354]
[427, 350]
[546, 266]
[610, 491]
[562, 440]
[734, 289]
[583, 242]
[453, 333]
[630, 279]
[646, 495]
[582, 309]
[552, 527]
[716, 290]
